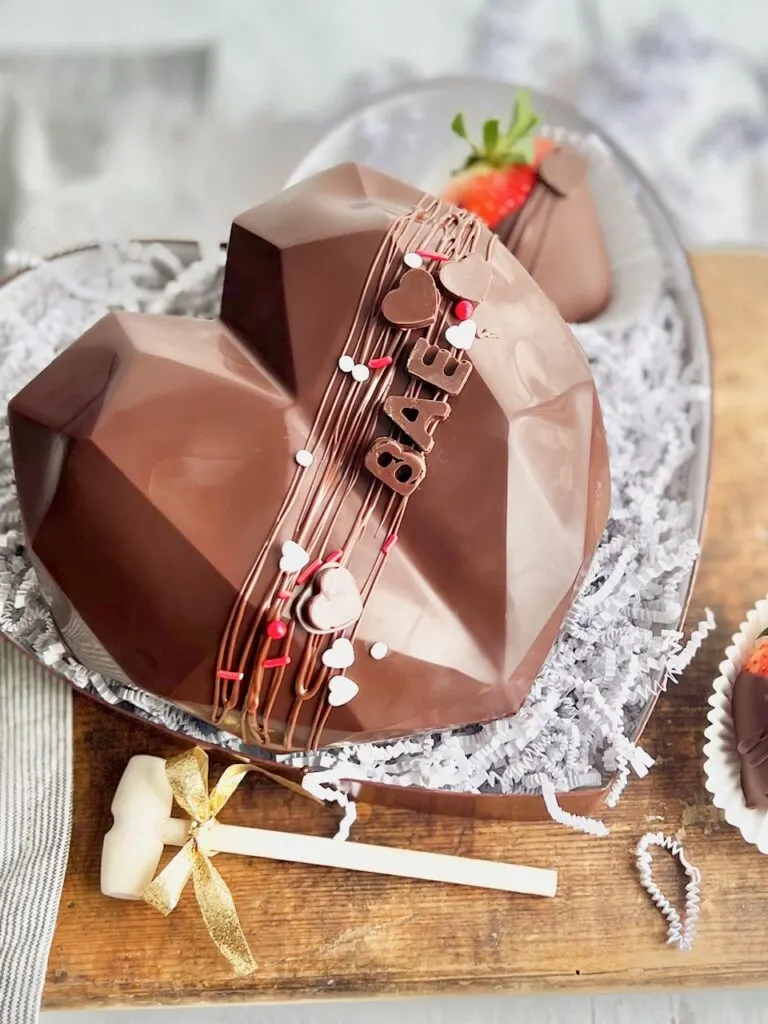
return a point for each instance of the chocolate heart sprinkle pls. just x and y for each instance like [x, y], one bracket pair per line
[468, 278]
[334, 601]
[413, 303]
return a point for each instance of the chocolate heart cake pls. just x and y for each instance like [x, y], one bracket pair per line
[328, 515]
[536, 196]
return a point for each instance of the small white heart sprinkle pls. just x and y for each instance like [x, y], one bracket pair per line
[294, 557]
[462, 335]
[379, 650]
[361, 373]
[304, 457]
[413, 260]
[341, 654]
[341, 690]
[346, 364]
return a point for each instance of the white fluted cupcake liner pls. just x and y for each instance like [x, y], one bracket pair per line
[637, 263]
[722, 765]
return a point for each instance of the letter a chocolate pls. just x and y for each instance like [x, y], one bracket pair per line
[417, 417]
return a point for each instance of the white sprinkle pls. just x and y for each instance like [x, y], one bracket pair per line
[304, 458]
[361, 373]
[379, 650]
[413, 260]
[341, 690]
[346, 364]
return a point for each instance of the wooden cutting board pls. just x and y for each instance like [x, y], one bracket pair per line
[320, 934]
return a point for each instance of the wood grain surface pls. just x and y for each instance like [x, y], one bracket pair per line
[319, 933]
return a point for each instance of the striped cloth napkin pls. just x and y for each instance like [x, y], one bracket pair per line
[35, 824]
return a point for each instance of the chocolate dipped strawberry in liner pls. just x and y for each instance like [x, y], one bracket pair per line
[356, 506]
[736, 747]
[750, 722]
[535, 195]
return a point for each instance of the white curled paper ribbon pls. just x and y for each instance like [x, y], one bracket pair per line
[326, 786]
[681, 932]
[590, 826]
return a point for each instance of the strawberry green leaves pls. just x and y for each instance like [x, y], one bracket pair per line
[500, 149]
[491, 135]
[459, 128]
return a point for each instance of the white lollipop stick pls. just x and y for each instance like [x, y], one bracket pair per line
[142, 826]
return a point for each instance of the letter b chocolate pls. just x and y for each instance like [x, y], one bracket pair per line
[398, 467]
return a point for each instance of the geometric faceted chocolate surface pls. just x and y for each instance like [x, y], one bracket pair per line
[156, 462]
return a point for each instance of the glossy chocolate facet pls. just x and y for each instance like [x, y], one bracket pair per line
[152, 458]
[557, 237]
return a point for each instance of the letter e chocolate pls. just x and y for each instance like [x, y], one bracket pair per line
[438, 367]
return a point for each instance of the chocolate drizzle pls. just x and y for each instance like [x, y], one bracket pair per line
[343, 427]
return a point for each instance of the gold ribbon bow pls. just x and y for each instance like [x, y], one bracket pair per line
[188, 776]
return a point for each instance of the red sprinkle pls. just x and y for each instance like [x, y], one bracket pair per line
[284, 595]
[428, 254]
[389, 543]
[380, 363]
[335, 556]
[235, 677]
[310, 570]
[276, 629]
[284, 659]
[463, 310]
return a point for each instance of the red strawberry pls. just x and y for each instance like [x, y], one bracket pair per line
[498, 177]
[490, 194]
[757, 660]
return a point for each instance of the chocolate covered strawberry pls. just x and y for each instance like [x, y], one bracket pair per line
[535, 195]
[749, 705]
[499, 175]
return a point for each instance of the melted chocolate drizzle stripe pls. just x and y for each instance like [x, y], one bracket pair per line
[344, 425]
[322, 711]
[394, 511]
[396, 505]
[302, 691]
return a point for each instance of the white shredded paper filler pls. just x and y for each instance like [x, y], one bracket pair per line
[621, 634]
[681, 929]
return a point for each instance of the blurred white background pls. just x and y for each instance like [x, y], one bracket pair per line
[165, 117]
